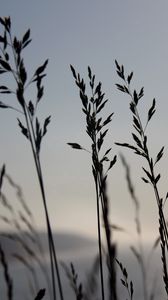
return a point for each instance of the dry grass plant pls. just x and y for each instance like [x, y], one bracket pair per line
[96, 128]
[12, 62]
[140, 148]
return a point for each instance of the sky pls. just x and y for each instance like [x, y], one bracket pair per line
[93, 33]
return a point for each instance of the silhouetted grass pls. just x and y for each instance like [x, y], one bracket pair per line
[73, 279]
[140, 148]
[138, 250]
[22, 232]
[93, 104]
[124, 281]
[12, 62]
[96, 128]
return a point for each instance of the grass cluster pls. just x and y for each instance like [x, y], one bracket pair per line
[102, 162]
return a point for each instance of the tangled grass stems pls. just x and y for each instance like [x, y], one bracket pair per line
[27, 248]
[28, 266]
[20, 196]
[24, 215]
[29, 237]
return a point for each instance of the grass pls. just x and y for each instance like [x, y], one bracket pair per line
[22, 233]
[140, 148]
[102, 162]
[96, 128]
[12, 62]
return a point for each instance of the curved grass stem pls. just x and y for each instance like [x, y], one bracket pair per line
[53, 257]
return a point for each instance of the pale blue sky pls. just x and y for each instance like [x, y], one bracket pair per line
[85, 33]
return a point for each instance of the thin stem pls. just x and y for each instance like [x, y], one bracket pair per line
[36, 160]
[20, 76]
[143, 269]
[99, 240]
[161, 215]
[50, 235]
[111, 253]
[95, 164]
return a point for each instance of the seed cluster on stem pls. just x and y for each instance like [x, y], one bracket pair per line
[95, 128]
[141, 148]
[11, 61]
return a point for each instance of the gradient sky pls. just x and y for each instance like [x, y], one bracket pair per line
[82, 33]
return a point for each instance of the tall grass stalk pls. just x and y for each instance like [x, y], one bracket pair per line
[11, 61]
[95, 128]
[141, 148]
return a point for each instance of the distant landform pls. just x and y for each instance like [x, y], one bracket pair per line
[65, 243]
[70, 247]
